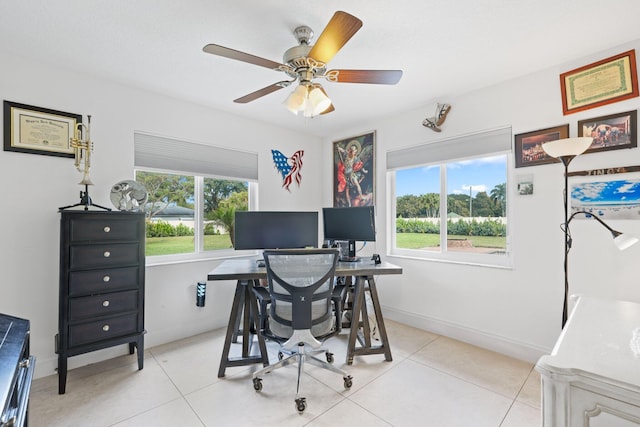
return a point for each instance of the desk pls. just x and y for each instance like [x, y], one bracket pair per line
[247, 274]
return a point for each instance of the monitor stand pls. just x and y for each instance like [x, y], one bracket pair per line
[348, 254]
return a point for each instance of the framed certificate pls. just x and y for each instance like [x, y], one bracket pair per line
[610, 80]
[36, 130]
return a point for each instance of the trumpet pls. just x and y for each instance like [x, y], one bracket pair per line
[82, 148]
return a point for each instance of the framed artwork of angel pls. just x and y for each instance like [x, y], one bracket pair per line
[354, 171]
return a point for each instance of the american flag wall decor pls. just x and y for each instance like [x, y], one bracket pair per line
[289, 167]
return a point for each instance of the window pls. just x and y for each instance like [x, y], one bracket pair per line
[194, 191]
[451, 199]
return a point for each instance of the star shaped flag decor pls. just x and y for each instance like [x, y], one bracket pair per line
[289, 167]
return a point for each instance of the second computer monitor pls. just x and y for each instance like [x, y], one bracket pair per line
[350, 225]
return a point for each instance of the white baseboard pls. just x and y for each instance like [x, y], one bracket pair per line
[508, 347]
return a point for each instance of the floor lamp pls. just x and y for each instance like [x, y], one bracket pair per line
[566, 150]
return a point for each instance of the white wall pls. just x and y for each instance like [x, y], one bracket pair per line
[517, 311]
[35, 186]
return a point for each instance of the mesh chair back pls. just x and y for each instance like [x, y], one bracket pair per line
[301, 287]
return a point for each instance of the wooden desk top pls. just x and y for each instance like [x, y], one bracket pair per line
[247, 269]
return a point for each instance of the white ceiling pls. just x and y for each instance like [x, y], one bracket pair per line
[443, 47]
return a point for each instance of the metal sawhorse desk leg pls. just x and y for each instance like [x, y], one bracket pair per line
[359, 317]
[245, 309]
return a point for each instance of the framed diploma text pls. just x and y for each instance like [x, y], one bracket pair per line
[610, 80]
[36, 130]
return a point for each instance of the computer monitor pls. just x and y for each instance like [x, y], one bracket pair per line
[275, 230]
[351, 225]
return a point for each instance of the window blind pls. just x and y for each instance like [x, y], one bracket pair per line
[478, 144]
[175, 155]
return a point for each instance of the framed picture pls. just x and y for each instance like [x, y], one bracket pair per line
[528, 146]
[608, 199]
[612, 132]
[354, 171]
[37, 130]
[610, 80]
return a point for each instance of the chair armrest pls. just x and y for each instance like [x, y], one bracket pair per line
[262, 294]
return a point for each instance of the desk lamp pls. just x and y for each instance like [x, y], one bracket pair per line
[566, 150]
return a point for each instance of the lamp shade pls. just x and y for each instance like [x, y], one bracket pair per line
[625, 241]
[567, 146]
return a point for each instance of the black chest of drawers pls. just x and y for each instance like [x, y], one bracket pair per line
[101, 284]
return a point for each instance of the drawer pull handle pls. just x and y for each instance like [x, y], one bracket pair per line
[106, 279]
[105, 328]
[105, 303]
[24, 363]
[107, 229]
[107, 254]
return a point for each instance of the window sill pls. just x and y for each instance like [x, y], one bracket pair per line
[477, 260]
[158, 260]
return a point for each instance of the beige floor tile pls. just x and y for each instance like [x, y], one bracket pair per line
[347, 413]
[482, 367]
[531, 391]
[521, 415]
[406, 340]
[191, 363]
[414, 394]
[175, 413]
[104, 398]
[233, 401]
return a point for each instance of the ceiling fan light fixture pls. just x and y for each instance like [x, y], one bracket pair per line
[297, 99]
[319, 100]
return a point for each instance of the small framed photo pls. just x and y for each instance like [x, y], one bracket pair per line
[600, 83]
[354, 171]
[612, 132]
[528, 146]
[36, 130]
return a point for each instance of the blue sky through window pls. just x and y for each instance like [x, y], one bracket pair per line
[475, 174]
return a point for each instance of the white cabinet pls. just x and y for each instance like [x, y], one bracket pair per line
[592, 376]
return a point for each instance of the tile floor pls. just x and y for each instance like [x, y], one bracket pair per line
[432, 381]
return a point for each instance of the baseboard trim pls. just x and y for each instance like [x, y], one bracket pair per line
[506, 346]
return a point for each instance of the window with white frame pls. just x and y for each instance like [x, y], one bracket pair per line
[449, 199]
[194, 191]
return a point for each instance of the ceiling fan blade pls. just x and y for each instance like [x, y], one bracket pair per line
[381, 77]
[338, 31]
[261, 92]
[215, 49]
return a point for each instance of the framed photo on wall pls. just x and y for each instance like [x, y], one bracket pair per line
[612, 132]
[37, 130]
[528, 146]
[354, 171]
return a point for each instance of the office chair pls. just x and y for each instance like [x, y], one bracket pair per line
[301, 312]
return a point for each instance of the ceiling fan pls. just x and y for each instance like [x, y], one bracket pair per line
[305, 63]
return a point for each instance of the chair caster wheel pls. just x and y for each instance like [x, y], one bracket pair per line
[301, 404]
[348, 381]
[257, 384]
[329, 357]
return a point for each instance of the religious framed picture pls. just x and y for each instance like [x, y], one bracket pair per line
[354, 171]
[36, 130]
[612, 132]
[609, 80]
[528, 146]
